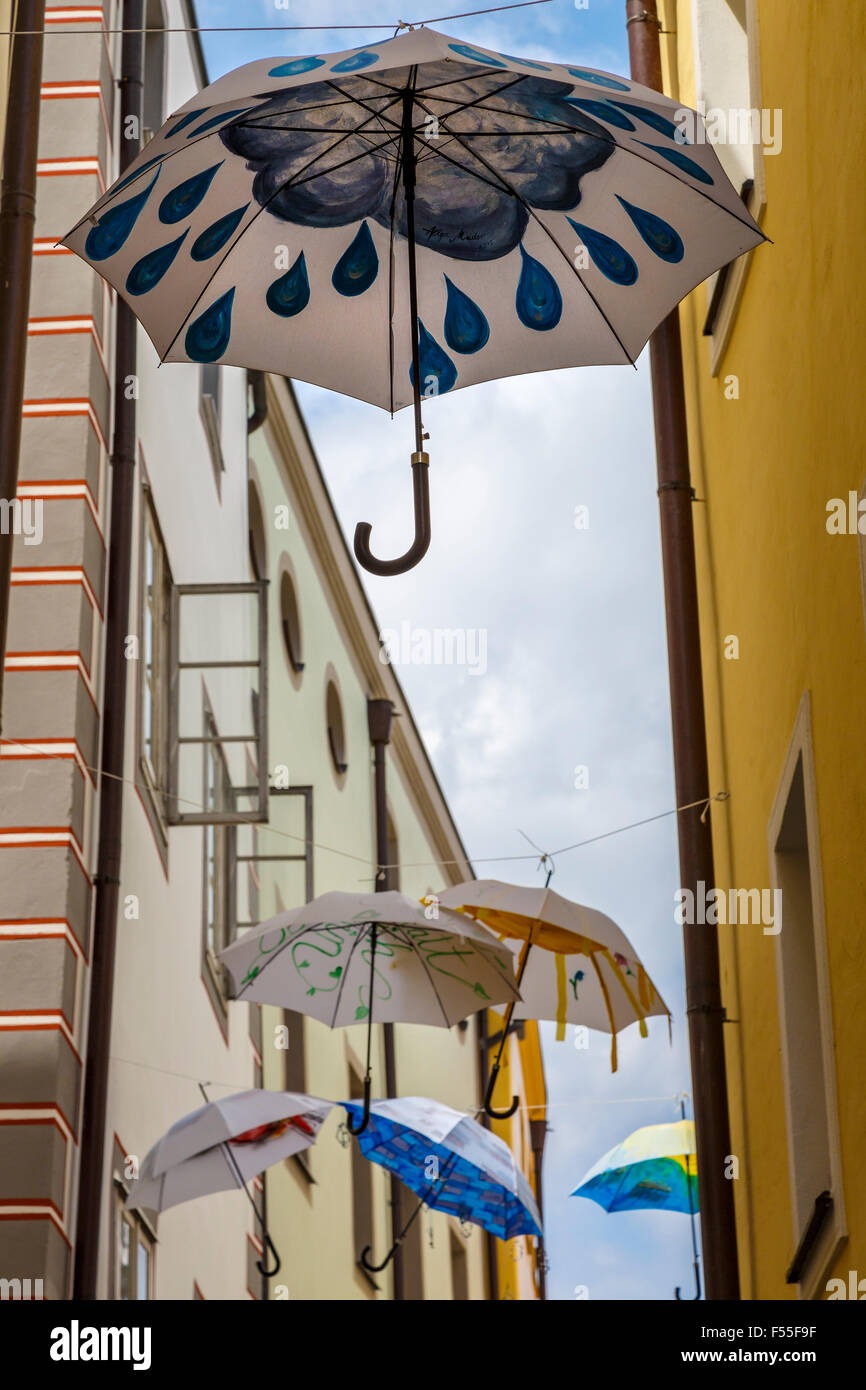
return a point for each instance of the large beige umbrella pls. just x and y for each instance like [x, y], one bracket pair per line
[586, 970]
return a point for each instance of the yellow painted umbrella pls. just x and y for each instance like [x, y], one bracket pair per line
[586, 971]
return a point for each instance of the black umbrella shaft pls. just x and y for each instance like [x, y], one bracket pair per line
[408, 151]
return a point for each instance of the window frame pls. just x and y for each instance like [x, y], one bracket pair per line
[154, 780]
[141, 1236]
[210, 414]
[833, 1233]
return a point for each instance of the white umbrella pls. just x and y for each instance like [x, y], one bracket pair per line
[224, 1144]
[585, 972]
[347, 957]
[411, 217]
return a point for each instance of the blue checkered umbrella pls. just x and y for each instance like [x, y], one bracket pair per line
[452, 1163]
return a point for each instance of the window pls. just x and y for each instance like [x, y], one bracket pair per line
[257, 539]
[459, 1274]
[154, 661]
[218, 866]
[290, 621]
[336, 731]
[210, 380]
[153, 96]
[362, 1188]
[814, 1160]
[728, 90]
[134, 1244]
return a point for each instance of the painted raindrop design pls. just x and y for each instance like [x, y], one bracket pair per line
[603, 111]
[650, 118]
[185, 198]
[539, 302]
[296, 65]
[467, 51]
[150, 269]
[659, 235]
[542, 67]
[599, 80]
[185, 121]
[358, 266]
[130, 178]
[115, 226]
[607, 255]
[214, 238]
[356, 61]
[466, 327]
[217, 120]
[208, 337]
[438, 372]
[682, 161]
[289, 294]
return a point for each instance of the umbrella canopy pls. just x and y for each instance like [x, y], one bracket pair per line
[224, 1144]
[475, 1176]
[586, 972]
[345, 957]
[411, 217]
[654, 1169]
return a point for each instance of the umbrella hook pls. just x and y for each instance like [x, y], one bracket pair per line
[233, 1164]
[697, 1286]
[377, 1269]
[420, 459]
[546, 862]
[269, 1273]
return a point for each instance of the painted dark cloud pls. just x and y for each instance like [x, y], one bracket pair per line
[323, 161]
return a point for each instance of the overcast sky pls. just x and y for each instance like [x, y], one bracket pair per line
[575, 670]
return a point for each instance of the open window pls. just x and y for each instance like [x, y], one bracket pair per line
[210, 383]
[218, 772]
[155, 589]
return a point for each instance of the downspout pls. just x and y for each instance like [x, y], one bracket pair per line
[255, 421]
[107, 879]
[380, 714]
[700, 943]
[537, 1136]
[17, 221]
[483, 1068]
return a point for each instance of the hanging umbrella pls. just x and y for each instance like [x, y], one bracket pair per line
[224, 1144]
[586, 971]
[346, 956]
[404, 219]
[452, 1163]
[654, 1169]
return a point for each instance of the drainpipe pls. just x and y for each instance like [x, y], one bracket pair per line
[17, 220]
[380, 714]
[537, 1136]
[255, 421]
[107, 879]
[483, 1070]
[701, 944]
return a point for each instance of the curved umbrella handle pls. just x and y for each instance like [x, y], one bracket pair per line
[377, 1269]
[498, 1114]
[679, 1296]
[269, 1273]
[365, 1118]
[420, 545]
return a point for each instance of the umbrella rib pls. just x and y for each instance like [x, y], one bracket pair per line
[391, 274]
[355, 944]
[530, 210]
[278, 951]
[432, 983]
[626, 149]
[264, 206]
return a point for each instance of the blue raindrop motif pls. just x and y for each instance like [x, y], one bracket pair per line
[607, 255]
[436, 365]
[185, 121]
[682, 161]
[358, 266]
[650, 118]
[599, 80]
[185, 198]
[115, 226]
[539, 302]
[466, 327]
[296, 65]
[603, 111]
[150, 269]
[467, 51]
[289, 294]
[355, 61]
[214, 238]
[542, 67]
[130, 178]
[659, 235]
[217, 120]
[208, 337]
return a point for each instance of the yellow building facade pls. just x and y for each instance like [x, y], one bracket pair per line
[773, 357]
